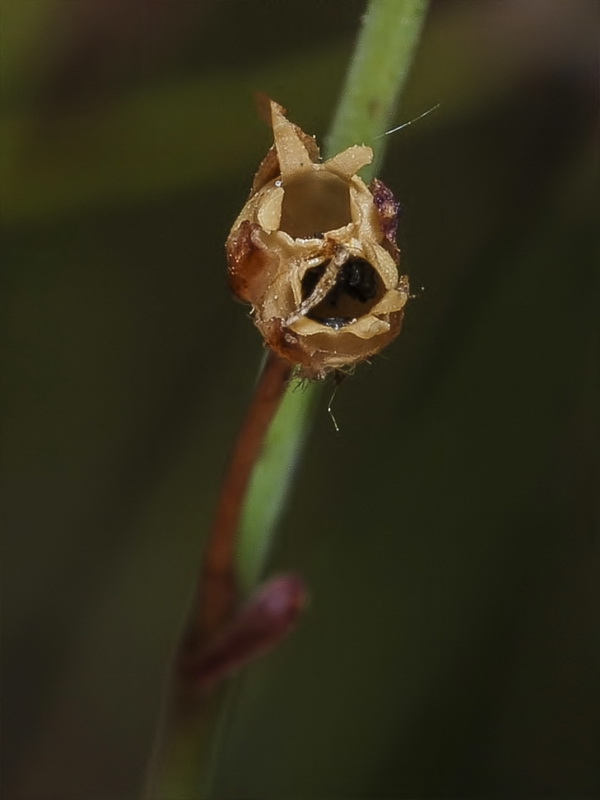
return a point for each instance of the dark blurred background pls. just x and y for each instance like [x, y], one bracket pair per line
[449, 533]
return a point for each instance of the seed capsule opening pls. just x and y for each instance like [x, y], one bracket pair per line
[314, 202]
[303, 212]
[357, 289]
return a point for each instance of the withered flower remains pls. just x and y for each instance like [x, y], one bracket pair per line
[314, 252]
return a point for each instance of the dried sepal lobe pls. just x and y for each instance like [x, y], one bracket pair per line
[314, 252]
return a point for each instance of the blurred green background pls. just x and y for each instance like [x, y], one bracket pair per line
[449, 533]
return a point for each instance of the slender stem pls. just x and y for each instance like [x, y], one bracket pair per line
[272, 480]
[378, 72]
[217, 591]
[261, 469]
[379, 69]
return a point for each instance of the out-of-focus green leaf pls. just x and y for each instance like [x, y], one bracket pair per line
[160, 139]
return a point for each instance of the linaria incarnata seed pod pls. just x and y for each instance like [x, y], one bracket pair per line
[314, 252]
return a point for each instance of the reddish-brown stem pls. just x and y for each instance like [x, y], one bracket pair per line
[223, 635]
[217, 591]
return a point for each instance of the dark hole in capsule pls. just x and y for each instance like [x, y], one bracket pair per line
[311, 278]
[357, 284]
[357, 279]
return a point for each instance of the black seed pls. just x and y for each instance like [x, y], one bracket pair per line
[357, 279]
[335, 322]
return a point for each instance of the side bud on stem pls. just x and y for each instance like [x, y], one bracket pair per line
[258, 626]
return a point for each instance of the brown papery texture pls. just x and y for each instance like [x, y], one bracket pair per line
[314, 252]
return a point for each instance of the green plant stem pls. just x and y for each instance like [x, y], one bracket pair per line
[218, 585]
[271, 481]
[379, 69]
[378, 72]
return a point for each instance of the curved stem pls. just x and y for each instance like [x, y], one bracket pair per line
[217, 591]
[188, 730]
[378, 72]
[260, 472]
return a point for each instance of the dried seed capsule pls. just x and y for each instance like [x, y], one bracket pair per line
[314, 252]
